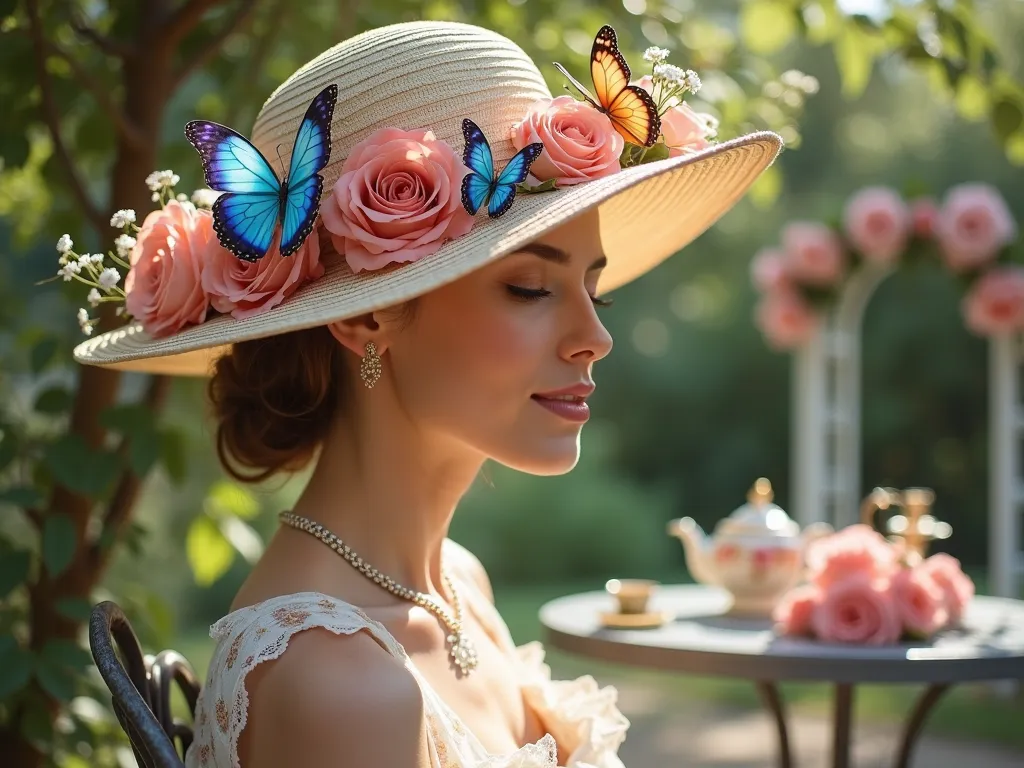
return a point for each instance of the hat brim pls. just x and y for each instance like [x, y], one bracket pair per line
[647, 213]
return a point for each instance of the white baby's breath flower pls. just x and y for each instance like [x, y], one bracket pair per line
[122, 218]
[96, 258]
[204, 198]
[155, 197]
[691, 81]
[94, 298]
[84, 322]
[69, 270]
[181, 197]
[84, 258]
[124, 245]
[64, 244]
[655, 54]
[109, 277]
[160, 180]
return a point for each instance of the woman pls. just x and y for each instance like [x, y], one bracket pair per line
[410, 337]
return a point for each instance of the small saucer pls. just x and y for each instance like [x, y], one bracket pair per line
[647, 620]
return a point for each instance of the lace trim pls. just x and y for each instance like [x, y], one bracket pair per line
[261, 633]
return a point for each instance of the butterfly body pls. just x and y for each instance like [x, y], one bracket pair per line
[630, 108]
[482, 185]
[254, 202]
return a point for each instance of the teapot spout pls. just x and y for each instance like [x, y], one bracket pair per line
[697, 547]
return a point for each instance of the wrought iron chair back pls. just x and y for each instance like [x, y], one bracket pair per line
[140, 687]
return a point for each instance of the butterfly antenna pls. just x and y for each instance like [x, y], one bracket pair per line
[281, 161]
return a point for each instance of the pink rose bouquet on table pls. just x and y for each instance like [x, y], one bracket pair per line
[861, 589]
[971, 232]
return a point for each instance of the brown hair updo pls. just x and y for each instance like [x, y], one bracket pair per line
[274, 400]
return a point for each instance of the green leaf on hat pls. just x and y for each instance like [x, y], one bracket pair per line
[546, 186]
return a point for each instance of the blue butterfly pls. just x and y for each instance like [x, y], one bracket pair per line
[245, 217]
[481, 185]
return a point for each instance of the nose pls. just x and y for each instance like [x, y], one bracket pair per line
[586, 340]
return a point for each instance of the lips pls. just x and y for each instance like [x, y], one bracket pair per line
[569, 403]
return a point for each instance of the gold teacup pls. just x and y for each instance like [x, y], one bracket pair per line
[631, 594]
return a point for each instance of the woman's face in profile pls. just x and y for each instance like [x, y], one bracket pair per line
[502, 359]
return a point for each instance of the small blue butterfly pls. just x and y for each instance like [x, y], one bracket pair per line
[481, 185]
[245, 218]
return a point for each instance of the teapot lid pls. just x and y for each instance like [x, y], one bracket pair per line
[759, 516]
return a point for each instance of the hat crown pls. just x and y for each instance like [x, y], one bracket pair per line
[416, 75]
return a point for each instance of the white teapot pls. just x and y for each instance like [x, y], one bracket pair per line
[756, 554]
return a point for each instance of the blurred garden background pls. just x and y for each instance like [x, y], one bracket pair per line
[109, 485]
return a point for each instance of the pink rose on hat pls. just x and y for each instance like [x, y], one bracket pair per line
[877, 222]
[580, 143]
[684, 130]
[164, 288]
[244, 288]
[973, 225]
[399, 198]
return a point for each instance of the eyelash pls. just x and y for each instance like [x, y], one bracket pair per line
[532, 294]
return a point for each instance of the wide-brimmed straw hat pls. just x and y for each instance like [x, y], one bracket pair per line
[432, 75]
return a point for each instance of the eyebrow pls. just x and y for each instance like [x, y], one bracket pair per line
[557, 255]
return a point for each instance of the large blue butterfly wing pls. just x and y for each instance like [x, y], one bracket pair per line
[245, 223]
[310, 154]
[514, 173]
[230, 162]
[478, 183]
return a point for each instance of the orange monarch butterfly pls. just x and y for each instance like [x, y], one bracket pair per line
[630, 108]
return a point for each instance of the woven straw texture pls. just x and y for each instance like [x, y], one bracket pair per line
[432, 75]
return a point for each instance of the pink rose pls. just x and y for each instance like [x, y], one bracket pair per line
[995, 303]
[857, 609]
[580, 143]
[684, 130]
[246, 288]
[920, 601]
[164, 285]
[973, 226]
[768, 270]
[878, 223]
[793, 613]
[957, 587]
[399, 198]
[924, 214]
[814, 254]
[857, 550]
[785, 319]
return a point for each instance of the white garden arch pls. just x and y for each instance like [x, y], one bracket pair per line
[825, 454]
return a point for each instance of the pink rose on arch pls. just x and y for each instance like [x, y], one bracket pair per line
[957, 586]
[995, 303]
[768, 270]
[792, 615]
[246, 288]
[814, 254]
[857, 609]
[920, 601]
[398, 199]
[924, 213]
[857, 550]
[785, 319]
[164, 284]
[877, 222]
[684, 130]
[580, 143]
[973, 225]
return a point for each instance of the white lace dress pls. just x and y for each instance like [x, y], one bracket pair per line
[577, 714]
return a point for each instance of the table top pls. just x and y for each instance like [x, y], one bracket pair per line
[703, 640]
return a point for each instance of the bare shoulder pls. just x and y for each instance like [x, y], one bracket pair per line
[471, 566]
[329, 695]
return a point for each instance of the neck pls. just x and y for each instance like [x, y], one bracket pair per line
[389, 492]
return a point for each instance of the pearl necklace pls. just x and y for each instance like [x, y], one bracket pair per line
[460, 648]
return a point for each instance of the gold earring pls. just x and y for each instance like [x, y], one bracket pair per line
[370, 368]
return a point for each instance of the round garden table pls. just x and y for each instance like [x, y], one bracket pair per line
[704, 640]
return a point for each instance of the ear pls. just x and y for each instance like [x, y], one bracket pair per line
[354, 332]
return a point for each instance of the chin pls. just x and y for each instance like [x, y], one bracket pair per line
[551, 457]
